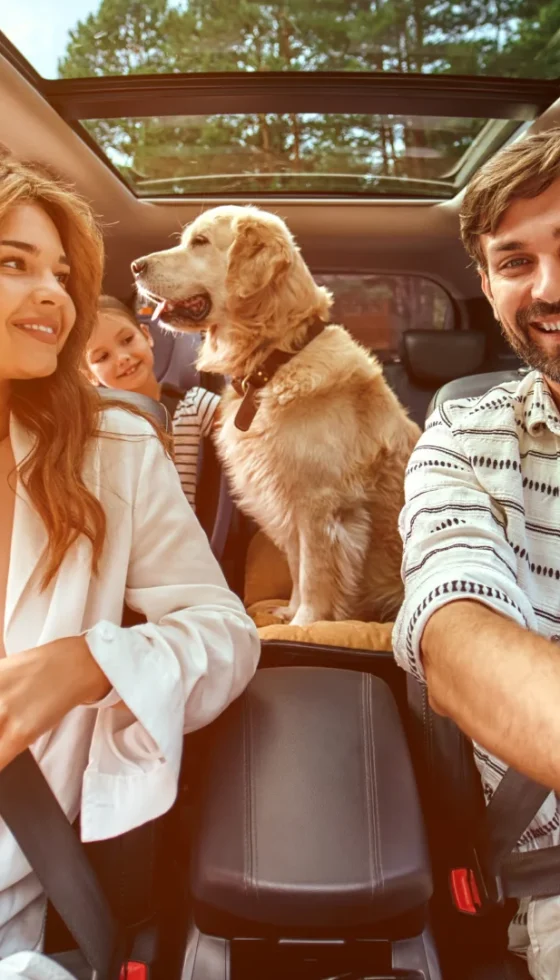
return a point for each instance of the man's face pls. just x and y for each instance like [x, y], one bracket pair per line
[523, 279]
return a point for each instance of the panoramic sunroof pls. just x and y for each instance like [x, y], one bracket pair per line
[87, 38]
[295, 153]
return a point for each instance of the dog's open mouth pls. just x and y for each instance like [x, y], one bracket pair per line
[195, 309]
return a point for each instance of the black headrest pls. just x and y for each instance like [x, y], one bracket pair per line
[432, 357]
[147, 405]
[476, 384]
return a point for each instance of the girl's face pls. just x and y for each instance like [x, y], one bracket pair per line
[119, 354]
[36, 311]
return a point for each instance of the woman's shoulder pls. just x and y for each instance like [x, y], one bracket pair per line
[121, 422]
[125, 436]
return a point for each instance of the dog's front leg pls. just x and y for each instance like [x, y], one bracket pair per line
[331, 568]
[286, 613]
[317, 577]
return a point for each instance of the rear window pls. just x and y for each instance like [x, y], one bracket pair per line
[376, 309]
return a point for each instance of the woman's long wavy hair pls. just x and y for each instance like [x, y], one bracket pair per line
[61, 411]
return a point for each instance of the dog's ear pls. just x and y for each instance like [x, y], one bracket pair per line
[260, 252]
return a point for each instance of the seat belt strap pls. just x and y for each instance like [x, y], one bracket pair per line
[513, 806]
[40, 827]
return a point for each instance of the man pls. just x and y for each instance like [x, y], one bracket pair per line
[481, 523]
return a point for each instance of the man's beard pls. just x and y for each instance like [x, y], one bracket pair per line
[526, 348]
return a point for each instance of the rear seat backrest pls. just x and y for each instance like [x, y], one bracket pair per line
[175, 356]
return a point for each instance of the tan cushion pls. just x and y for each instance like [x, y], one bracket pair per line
[350, 633]
[267, 575]
[268, 585]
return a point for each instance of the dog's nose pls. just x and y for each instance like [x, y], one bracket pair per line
[139, 266]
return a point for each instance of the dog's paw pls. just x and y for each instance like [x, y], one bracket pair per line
[282, 613]
[304, 616]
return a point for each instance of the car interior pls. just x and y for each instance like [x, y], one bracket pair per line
[319, 820]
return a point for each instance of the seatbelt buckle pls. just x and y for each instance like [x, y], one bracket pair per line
[134, 971]
[472, 891]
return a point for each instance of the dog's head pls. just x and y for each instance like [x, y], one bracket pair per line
[237, 270]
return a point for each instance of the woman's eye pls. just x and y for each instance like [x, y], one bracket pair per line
[100, 359]
[128, 340]
[12, 263]
[62, 278]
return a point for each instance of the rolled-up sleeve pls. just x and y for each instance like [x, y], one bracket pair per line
[173, 674]
[454, 540]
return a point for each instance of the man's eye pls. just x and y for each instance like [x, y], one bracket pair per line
[514, 263]
[200, 240]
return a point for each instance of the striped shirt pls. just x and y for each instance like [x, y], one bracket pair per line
[191, 422]
[482, 520]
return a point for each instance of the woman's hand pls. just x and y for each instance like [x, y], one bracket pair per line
[40, 686]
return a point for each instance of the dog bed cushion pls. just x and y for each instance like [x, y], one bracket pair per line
[268, 585]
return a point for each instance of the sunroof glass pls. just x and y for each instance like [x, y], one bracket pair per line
[105, 37]
[305, 153]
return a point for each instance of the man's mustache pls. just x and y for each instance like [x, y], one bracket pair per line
[537, 311]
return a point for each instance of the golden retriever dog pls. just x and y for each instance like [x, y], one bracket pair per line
[317, 453]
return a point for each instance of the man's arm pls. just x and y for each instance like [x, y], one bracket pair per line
[499, 682]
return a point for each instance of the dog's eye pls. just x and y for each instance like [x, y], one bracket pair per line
[200, 240]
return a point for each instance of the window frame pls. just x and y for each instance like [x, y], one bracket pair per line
[458, 305]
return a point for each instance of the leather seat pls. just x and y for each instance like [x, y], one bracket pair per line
[450, 784]
[472, 386]
[310, 817]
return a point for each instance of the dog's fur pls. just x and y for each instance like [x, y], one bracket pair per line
[322, 466]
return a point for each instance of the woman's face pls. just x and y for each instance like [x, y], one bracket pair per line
[36, 312]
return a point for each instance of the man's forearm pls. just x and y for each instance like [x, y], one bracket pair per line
[500, 683]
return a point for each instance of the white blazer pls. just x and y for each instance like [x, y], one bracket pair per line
[118, 761]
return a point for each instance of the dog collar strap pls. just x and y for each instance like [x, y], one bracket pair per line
[250, 385]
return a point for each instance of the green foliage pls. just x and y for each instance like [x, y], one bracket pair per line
[500, 37]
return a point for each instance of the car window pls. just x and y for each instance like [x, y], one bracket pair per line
[376, 309]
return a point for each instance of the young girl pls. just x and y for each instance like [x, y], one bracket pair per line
[93, 516]
[120, 355]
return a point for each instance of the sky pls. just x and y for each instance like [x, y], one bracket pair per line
[39, 28]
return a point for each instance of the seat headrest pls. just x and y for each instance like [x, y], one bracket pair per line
[472, 386]
[149, 406]
[433, 357]
[175, 356]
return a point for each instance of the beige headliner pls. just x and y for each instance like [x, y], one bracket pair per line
[335, 235]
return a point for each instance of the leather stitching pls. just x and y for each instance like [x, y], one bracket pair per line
[368, 781]
[246, 801]
[252, 805]
[377, 836]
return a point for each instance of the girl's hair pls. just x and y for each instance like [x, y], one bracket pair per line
[61, 411]
[110, 304]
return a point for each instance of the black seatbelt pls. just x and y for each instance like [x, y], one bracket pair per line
[496, 870]
[35, 818]
[170, 396]
[515, 803]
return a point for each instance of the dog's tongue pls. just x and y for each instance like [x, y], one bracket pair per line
[195, 307]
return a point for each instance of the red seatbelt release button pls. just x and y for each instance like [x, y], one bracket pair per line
[134, 971]
[464, 891]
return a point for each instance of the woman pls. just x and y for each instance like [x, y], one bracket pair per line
[93, 516]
